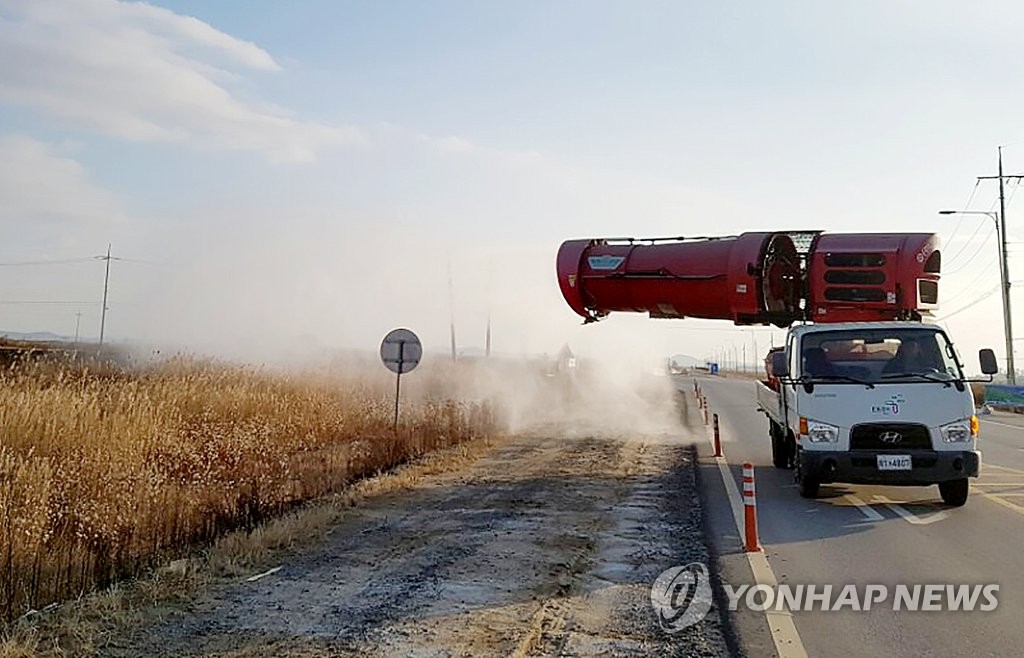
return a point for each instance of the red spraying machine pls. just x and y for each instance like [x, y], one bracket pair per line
[755, 278]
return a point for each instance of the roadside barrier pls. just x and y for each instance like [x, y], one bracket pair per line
[751, 543]
[718, 437]
[705, 405]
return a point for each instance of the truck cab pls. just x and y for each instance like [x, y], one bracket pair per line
[873, 403]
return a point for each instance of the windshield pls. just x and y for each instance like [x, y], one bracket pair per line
[879, 355]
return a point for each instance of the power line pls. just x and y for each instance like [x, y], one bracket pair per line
[981, 223]
[72, 261]
[977, 251]
[960, 219]
[983, 242]
[980, 299]
[987, 236]
[43, 301]
[969, 287]
[58, 261]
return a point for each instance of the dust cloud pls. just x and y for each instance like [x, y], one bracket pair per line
[302, 298]
[595, 399]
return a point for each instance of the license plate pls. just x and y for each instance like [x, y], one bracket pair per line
[894, 462]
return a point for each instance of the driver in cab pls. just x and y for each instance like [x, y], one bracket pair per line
[912, 356]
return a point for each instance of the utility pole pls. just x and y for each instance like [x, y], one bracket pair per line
[78, 323]
[106, 286]
[487, 339]
[1011, 370]
[451, 308]
[487, 343]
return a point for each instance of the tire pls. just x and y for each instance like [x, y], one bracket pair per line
[780, 447]
[808, 487]
[954, 492]
[805, 484]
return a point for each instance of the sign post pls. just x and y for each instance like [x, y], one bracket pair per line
[401, 352]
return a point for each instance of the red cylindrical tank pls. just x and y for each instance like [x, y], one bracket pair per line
[750, 278]
[859, 277]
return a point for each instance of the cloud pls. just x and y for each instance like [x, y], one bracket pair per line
[44, 191]
[142, 73]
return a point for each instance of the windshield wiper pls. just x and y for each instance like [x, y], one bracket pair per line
[845, 378]
[922, 375]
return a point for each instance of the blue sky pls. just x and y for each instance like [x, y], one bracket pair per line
[305, 172]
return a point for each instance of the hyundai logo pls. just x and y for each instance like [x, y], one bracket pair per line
[890, 437]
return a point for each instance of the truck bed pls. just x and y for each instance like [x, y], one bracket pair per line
[768, 402]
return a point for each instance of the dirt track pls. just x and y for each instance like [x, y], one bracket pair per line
[547, 545]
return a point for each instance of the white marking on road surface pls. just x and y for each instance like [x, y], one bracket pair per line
[909, 516]
[996, 422]
[864, 508]
[999, 499]
[1014, 471]
[1003, 468]
[253, 579]
[784, 634]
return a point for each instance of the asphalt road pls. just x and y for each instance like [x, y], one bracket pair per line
[904, 535]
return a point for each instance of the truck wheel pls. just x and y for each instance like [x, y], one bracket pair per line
[954, 492]
[808, 487]
[805, 484]
[780, 449]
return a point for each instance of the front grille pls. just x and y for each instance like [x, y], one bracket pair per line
[868, 436]
[855, 277]
[855, 294]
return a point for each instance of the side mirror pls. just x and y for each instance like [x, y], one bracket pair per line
[780, 364]
[989, 365]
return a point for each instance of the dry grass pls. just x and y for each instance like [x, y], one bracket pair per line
[103, 470]
[105, 620]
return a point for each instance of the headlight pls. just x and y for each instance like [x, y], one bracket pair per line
[957, 432]
[822, 432]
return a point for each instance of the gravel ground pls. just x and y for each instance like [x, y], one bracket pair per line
[545, 546]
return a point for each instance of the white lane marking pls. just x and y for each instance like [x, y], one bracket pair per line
[996, 422]
[783, 629]
[997, 484]
[1004, 468]
[909, 516]
[864, 508]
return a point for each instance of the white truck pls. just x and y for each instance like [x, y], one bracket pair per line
[865, 391]
[873, 403]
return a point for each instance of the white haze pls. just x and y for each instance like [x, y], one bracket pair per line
[272, 235]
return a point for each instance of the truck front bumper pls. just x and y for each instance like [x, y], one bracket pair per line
[861, 467]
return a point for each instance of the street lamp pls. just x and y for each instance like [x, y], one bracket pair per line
[1004, 275]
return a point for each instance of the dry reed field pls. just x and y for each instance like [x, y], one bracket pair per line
[105, 469]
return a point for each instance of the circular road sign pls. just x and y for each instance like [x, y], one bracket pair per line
[401, 351]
